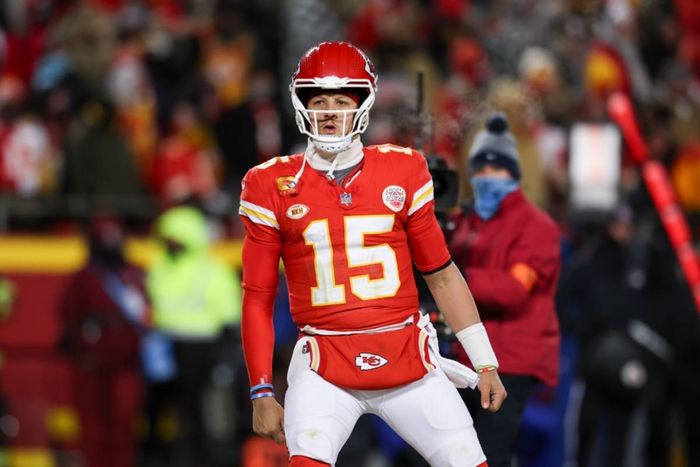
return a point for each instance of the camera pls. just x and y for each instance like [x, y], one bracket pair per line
[445, 183]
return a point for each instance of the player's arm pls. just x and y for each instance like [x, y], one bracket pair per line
[455, 301]
[260, 263]
[447, 285]
[453, 297]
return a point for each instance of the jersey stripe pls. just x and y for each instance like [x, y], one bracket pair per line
[258, 214]
[422, 197]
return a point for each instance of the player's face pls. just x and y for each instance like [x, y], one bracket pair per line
[333, 118]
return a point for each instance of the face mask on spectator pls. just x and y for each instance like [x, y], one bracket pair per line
[489, 193]
[173, 248]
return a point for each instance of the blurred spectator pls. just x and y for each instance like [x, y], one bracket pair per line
[541, 75]
[457, 98]
[229, 66]
[679, 91]
[660, 36]
[685, 176]
[508, 251]
[196, 302]
[187, 163]
[540, 72]
[28, 162]
[99, 168]
[57, 94]
[103, 309]
[507, 27]
[384, 28]
[393, 116]
[86, 34]
[128, 85]
[619, 26]
[604, 72]
[623, 299]
[24, 36]
[688, 17]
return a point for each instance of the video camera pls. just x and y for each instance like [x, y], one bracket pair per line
[445, 183]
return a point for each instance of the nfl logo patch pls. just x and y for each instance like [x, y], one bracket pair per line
[345, 199]
[394, 197]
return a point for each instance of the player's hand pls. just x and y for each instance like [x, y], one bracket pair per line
[268, 419]
[492, 391]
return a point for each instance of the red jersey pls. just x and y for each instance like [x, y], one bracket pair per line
[348, 250]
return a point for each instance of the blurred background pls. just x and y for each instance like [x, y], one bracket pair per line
[126, 109]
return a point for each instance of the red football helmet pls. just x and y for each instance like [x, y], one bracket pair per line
[333, 66]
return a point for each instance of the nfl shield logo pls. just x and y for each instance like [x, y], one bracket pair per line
[345, 199]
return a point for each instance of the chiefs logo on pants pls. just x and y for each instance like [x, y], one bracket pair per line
[368, 361]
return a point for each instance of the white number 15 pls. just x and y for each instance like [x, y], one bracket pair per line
[328, 291]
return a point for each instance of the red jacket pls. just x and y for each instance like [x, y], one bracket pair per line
[511, 263]
[96, 334]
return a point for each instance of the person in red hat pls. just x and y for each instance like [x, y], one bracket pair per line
[349, 222]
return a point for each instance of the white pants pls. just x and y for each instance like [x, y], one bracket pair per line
[428, 414]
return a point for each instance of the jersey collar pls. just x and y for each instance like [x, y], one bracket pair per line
[343, 160]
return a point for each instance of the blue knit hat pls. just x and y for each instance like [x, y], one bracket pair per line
[495, 145]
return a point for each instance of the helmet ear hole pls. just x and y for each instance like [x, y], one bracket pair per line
[299, 119]
[364, 121]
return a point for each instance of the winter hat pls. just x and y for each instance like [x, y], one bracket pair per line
[495, 145]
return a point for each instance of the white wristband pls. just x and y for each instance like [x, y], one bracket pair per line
[476, 343]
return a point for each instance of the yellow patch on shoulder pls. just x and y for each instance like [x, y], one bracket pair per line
[285, 183]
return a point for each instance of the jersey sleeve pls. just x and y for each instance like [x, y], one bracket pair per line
[425, 236]
[260, 265]
[257, 208]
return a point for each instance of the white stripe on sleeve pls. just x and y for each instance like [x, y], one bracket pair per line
[258, 214]
[421, 197]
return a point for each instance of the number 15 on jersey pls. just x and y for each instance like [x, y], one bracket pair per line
[328, 291]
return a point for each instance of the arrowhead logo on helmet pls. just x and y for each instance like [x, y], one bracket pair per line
[333, 66]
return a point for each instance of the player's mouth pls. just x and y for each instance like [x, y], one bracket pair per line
[329, 128]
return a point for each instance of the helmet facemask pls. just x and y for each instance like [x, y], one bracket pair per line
[333, 67]
[307, 120]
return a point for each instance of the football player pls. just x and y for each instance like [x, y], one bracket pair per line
[349, 222]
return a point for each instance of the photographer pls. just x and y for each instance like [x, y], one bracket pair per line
[508, 251]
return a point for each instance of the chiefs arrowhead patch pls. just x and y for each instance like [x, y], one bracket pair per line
[369, 361]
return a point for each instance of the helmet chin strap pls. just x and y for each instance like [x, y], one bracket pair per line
[343, 159]
[333, 147]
